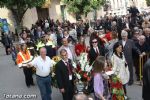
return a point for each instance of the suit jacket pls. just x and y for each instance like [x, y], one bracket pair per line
[93, 54]
[148, 40]
[128, 49]
[62, 74]
[146, 81]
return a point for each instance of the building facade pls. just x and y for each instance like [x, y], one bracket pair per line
[55, 9]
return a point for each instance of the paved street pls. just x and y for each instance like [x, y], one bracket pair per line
[12, 82]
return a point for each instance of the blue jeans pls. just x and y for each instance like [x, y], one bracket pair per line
[44, 84]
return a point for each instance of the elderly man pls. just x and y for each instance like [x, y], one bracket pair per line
[128, 47]
[69, 48]
[142, 45]
[43, 64]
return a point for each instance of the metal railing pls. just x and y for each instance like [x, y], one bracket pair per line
[142, 61]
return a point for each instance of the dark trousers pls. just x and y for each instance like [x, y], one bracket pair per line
[44, 84]
[7, 50]
[130, 66]
[96, 98]
[125, 90]
[68, 95]
[137, 67]
[28, 76]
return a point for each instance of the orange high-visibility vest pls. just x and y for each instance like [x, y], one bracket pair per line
[23, 58]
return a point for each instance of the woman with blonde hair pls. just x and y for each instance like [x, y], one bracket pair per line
[100, 83]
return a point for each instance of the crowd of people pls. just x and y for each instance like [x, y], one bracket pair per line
[118, 41]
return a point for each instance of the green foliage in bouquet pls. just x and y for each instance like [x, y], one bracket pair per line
[116, 87]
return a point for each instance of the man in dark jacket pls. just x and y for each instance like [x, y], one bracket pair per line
[142, 45]
[146, 81]
[128, 47]
[64, 75]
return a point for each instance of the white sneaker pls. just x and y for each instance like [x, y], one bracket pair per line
[125, 97]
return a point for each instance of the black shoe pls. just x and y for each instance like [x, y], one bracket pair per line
[138, 79]
[28, 86]
[130, 83]
[33, 84]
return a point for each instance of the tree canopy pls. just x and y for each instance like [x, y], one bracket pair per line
[148, 2]
[83, 7]
[19, 7]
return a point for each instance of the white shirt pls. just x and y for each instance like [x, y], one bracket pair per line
[66, 36]
[22, 41]
[69, 53]
[42, 67]
[53, 38]
[65, 62]
[96, 49]
[123, 43]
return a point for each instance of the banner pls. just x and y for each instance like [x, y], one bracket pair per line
[4, 26]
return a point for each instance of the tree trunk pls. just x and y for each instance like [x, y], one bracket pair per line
[18, 16]
[78, 17]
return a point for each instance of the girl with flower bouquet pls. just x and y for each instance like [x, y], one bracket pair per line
[119, 73]
[101, 89]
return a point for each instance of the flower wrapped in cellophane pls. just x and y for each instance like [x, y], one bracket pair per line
[116, 88]
[83, 68]
[82, 72]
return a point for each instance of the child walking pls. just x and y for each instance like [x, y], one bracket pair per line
[101, 90]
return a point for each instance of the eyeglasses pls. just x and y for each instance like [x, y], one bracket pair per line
[94, 42]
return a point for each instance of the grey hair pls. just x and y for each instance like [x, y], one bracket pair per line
[142, 37]
[63, 50]
[124, 33]
[114, 23]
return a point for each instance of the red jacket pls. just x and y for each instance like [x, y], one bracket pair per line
[79, 48]
[108, 36]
